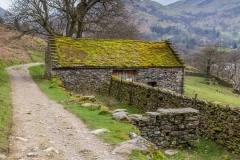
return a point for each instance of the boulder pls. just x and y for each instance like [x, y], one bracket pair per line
[120, 116]
[137, 143]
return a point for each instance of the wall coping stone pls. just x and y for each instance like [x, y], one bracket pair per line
[152, 114]
[178, 111]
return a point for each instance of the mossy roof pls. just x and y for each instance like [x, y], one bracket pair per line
[68, 52]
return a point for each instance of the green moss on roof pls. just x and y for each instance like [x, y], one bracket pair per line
[68, 52]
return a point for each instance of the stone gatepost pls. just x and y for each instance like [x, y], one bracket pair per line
[169, 127]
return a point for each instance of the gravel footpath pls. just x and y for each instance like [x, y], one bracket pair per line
[42, 129]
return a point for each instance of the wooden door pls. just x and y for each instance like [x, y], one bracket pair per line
[125, 74]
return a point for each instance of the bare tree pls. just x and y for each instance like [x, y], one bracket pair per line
[234, 61]
[206, 59]
[69, 17]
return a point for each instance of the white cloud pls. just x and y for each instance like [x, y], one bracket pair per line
[4, 4]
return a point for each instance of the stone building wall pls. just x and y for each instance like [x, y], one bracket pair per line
[218, 122]
[83, 80]
[91, 79]
[170, 78]
[169, 127]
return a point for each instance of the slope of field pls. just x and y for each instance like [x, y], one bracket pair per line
[197, 85]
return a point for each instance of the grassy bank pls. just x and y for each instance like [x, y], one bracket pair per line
[118, 130]
[5, 109]
[197, 85]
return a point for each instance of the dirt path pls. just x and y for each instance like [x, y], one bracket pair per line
[43, 129]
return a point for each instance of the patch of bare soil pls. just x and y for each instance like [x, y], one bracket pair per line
[42, 129]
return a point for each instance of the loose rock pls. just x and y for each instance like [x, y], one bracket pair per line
[51, 149]
[170, 152]
[100, 131]
[119, 110]
[22, 139]
[89, 105]
[133, 135]
[2, 156]
[32, 154]
[88, 98]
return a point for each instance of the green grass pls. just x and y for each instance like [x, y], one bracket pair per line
[114, 104]
[36, 56]
[197, 85]
[5, 110]
[91, 116]
[206, 151]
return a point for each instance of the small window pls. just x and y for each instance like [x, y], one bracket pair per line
[152, 83]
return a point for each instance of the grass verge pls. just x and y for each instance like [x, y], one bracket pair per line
[206, 151]
[5, 110]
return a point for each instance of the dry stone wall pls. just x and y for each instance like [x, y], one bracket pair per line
[217, 122]
[169, 127]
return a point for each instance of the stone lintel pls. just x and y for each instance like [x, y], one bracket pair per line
[177, 111]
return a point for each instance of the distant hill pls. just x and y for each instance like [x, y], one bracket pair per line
[2, 12]
[191, 21]
[207, 6]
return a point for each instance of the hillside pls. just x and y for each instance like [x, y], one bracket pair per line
[208, 6]
[24, 49]
[190, 21]
[2, 11]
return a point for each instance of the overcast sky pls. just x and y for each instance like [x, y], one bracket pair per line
[165, 2]
[5, 3]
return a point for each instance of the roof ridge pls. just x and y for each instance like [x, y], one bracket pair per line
[175, 52]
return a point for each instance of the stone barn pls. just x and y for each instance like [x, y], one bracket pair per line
[84, 64]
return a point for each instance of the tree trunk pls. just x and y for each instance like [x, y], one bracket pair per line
[71, 29]
[208, 69]
[80, 29]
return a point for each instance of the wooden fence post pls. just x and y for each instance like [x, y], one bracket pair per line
[119, 90]
[131, 94]
[195, 99]
[158, 96]
[110, 86]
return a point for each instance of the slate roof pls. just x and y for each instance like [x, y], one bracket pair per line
[68, 52]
